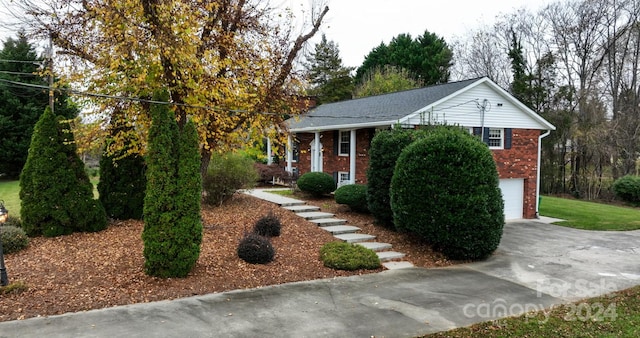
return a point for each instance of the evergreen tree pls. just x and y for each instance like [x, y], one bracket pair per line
[427, 58]
[331, 80]
[520, 85]
[21, 106]
[172, 230]
[122, 175]
[57, 196]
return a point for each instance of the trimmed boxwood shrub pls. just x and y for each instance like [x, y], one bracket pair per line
[256, 249]
[627, 188]
[353, 195]
[348, 256]
[385, 148]
[13, 221]
[445, 189]
[13, 239]
[268, 226]
[316, 183]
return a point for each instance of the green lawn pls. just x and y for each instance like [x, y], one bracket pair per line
[9, 192]
[613, 315]
[590, 215]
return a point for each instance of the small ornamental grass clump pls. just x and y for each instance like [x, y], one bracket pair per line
[13, 239]
[316, 183]
[348, 256]
[256, 249]
[268, 226]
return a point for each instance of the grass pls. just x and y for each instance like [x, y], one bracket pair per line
[613, 315]
[10, 193]
[286, 192]
[590, 215]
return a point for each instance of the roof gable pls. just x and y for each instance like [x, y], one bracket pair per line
[411, 107]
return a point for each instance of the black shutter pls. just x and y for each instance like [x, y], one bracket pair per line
[335, 177]
[477, 131]
[336, 141]
[485, 137]
[507, 138]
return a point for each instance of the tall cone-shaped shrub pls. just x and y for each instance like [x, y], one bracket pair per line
[172, 230]
[122, 176]
[56, 194]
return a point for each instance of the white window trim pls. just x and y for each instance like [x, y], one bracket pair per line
[501, 146]
[340, 142]
[346, 181]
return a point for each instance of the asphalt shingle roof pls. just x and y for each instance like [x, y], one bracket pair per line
[374, 109]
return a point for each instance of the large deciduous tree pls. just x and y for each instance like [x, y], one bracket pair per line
[331, 81]
[227, 64]
[22, 104]
[427, 57]
[385, 79]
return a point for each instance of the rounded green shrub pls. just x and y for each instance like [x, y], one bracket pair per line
[13, 238]
[445, 189]
[256, 249]
[268, 226]
[316, 183]
[353, 195]
[225, 175]
[627, 188]
[348, 256]
[385, 149]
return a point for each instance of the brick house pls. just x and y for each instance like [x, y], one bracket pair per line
[335, 137]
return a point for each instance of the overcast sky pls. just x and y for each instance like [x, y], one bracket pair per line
[358, 26]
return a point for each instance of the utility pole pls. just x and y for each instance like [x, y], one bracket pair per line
[50, 62]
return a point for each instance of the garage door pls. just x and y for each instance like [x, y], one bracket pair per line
[513, 195]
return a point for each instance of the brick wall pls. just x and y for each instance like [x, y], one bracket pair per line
[521, 161]
[518, 162]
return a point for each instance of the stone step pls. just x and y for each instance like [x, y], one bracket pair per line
[289, 203]
[375, 246]
[302, 208]
[389, 255]
[397, 265]
[323, 222]
[341, 229]
[355, 238]
[314, 215]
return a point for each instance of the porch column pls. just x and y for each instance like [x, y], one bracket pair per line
[352, 157]
[315, 166]
[289, 153]
[269, 152]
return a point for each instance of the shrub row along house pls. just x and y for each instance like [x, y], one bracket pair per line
[335, 137]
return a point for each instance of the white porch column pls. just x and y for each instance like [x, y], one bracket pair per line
[352, 157]
[289, 153]
[315, 155]
[269, 152]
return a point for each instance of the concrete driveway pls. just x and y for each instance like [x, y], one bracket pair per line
[536, 266]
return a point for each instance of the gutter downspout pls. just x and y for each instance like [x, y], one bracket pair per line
[352, 157]
[538, 174]
[289, 153]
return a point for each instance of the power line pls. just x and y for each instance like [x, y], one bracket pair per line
[134, 99]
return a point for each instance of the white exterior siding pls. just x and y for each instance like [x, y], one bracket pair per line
[463, 109]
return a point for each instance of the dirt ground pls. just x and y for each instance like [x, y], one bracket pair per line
[96, 270]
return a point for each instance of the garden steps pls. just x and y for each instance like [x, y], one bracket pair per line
[323, 222]
[337, 227]
[341, 229]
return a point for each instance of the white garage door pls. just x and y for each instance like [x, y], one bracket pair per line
[513, 195]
